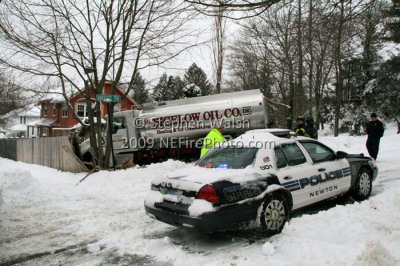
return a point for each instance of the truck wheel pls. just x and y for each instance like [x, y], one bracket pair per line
[362, 189]
[273, 213]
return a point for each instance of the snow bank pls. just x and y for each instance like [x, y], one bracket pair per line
[375, 254]
[13, 183]
[16, 180]
[153, 197]
[268, 249]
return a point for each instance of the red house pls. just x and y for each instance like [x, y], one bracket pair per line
[57, 120]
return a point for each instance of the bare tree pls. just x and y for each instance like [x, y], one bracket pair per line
[269, 55]
[277, 39]
[343, 13]
[12, 95]
[320, 56]
[300, 66]
[311, 65]
[219, 44]
[339, 66]
[210, 7]
[90, 42]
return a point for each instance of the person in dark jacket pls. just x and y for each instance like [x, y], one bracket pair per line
[310, 128]
[375, 130]
[301, 128]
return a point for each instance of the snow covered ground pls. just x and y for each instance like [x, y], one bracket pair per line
[45, 219]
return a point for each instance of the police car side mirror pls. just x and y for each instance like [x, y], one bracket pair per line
[341, 154]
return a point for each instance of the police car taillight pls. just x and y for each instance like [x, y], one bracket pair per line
[209, 194]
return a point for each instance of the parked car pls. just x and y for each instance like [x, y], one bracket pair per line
[256, 181]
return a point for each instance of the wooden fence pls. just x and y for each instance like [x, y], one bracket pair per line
[55, 152]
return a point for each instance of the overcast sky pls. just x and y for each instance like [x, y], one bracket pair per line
[201, 55]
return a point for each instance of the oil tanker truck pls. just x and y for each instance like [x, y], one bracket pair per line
[175, 129]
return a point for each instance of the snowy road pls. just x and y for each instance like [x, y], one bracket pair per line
[46, 220]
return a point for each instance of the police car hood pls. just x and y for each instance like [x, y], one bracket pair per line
[194, 178]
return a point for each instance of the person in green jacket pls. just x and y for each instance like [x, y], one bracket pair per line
[213, 138]
[301, 128]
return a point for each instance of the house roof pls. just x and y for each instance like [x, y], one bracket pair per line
[57, 96]
[118, 87]
[53, 97]
[45, 122]
[29, 110]
[34, 111]
[19, 128]
[33, 123]
[77, 126]
[128, 97]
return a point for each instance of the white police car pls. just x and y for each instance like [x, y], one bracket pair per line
[256, 180]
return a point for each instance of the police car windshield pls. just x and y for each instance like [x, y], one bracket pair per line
[229, 158]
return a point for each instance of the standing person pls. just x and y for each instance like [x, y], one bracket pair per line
[213, 138]
[271, 124]
[300, 127]
[375, 130]
[310, 128]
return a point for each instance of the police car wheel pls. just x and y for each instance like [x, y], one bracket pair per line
[363, 187]
[273, 213]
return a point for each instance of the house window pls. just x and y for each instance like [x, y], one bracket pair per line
[65, 110]
[46, 132]
[81, 110]
[54, 110]
[45, 110]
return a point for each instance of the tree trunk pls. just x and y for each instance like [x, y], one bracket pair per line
[219, 38]
[109, 146]
[317, 95]
[92, 129]
[310, 75]
[300, 91]
[291, 95]
[339, 70]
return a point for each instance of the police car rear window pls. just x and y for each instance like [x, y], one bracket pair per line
[282, 134]
[289, 154]
[229, 158]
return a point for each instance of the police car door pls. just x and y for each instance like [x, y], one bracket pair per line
[292, 166]
[332, 175]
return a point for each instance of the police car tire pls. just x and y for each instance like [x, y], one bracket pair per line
[363, 187]
[273, 214]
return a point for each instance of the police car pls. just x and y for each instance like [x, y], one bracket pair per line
[256, 181]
